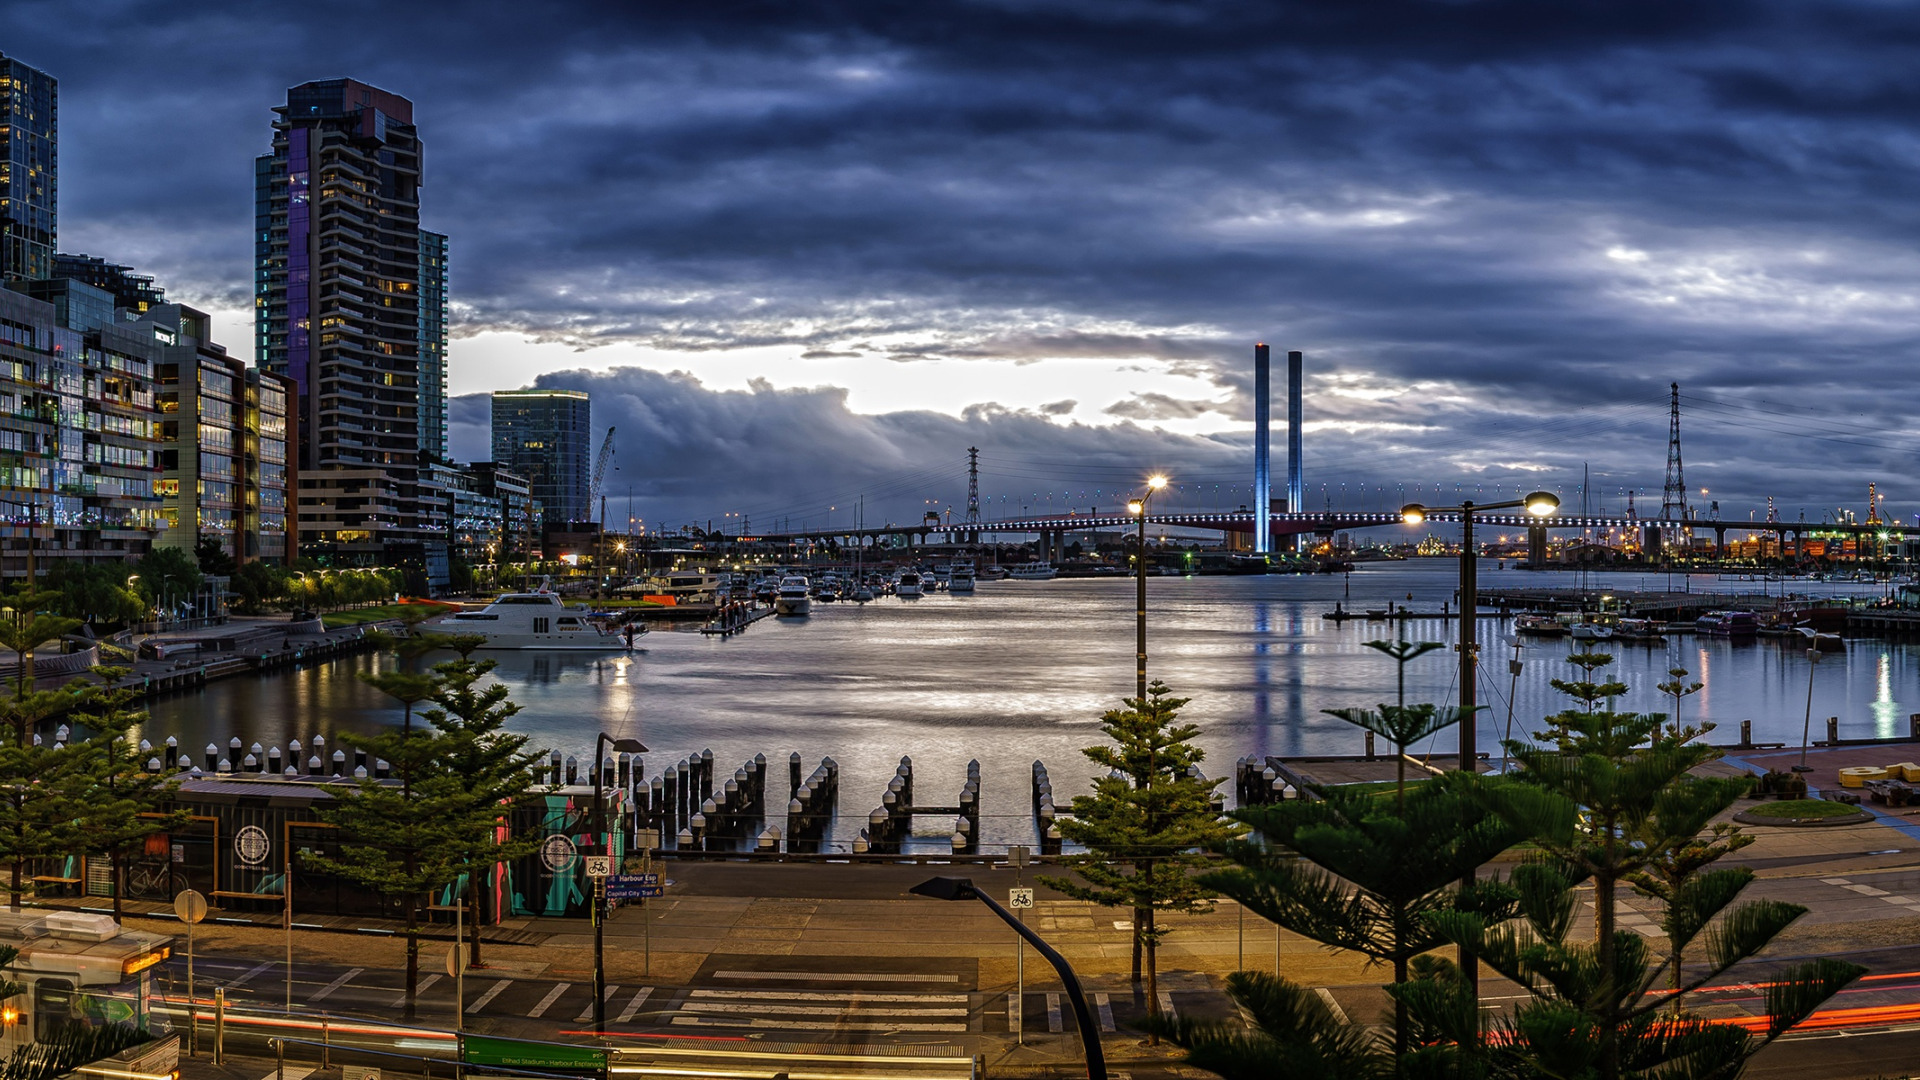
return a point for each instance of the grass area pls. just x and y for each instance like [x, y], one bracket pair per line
[1378, 788]
[334, 620]
[1803, 809]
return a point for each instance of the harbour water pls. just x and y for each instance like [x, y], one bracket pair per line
[1022, 670]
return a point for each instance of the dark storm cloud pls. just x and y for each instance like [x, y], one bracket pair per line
[1498, 229]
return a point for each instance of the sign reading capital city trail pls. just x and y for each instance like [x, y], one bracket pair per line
[599, 866]
[634, 887]
[1019, 898]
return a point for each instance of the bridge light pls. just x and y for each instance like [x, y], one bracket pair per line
[1542, 503]
[1136, 507]
[1413, 513]
[1156, 482]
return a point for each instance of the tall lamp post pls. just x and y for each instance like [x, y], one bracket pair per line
[620, 746]
[1138, 508]
[1539, 504]
[946, 888]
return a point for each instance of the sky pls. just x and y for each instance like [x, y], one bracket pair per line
[805, 255]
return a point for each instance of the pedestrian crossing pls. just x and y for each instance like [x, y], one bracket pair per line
[1907, 903]
[850, 1004]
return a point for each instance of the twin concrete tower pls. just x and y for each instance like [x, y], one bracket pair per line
[1263, 449]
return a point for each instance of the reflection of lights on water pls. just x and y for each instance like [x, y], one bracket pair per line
[1885, 710]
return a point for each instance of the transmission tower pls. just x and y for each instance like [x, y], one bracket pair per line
[973, 487]
[1673, 505]
[1873, 505]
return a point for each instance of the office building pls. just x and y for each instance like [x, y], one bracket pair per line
[29, 170]
[79, 434]
[547, 437]
[519, 512]
[226, 430]
[131, 292]
[344, 302]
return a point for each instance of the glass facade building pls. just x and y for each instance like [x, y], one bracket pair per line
[29, 160]
[345, 301]
[547, 437]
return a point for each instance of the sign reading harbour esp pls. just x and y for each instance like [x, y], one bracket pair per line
[634, 887]
[522, 1054]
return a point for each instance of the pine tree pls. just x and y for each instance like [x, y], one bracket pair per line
[38, 806]
[1607, 796]
[1351, 872]
[400, 840]
[1147, 825]
[120, 802]
[492, 765]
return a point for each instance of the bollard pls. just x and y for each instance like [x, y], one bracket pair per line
[1833, 731]
[1746, 733]
[273, 760]
[172, 752]
[359, 759]
[698, 823]
[1369, 746]
[291, 773]
[219, 1025]
[212, 752]
[380, 768]
[793, 769]
[1913, 726]
[233, 748]
[153, 765]
[339, 763]
[250, 764]
[573, 770]
[314, 765]
[225, 766]
[706, 774]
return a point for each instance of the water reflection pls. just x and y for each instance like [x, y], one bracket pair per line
[1024, 669]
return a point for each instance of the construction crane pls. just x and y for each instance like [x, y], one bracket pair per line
[599, 478]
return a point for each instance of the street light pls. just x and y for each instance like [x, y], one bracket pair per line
[946, 888]
[1138, 508]
[1540, 504]
[620, 746]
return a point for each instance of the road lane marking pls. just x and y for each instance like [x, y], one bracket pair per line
[419, 991]
[634, 1005]
[1333, 1006]
[1053, 1014]
[1013, 1012]
[826, 995]
[755, 1008]
[553, 995]
[1166, 1004]
[492, 992]
[811, 1025]
[837, 976]
[251, 973]
[1103, 1003]
[586, 1014]
[335, 984]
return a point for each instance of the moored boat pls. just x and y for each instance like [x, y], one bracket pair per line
[794, 596]
[1539, 626]
[533, 621]
[1032, 571]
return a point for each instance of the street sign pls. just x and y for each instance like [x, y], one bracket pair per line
[599, 866]
[190, 906]
[457, 959]
[1019, 898]
[1017, 856]
[634, 887]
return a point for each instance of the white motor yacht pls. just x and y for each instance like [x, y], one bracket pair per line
[1032, 571]
[907, 586]
[535, 620]
[961, 581]
[795, 596]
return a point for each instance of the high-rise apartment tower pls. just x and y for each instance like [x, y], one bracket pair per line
[350, 304]
[547, 437]
[29, 157]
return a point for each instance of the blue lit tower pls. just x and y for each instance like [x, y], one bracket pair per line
[547, 437]
[1262, 452]
[1296, 478]
[29, 156]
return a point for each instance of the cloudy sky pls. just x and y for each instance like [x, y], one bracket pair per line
[802, 253]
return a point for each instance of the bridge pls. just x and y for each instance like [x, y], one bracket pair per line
[1051, 528]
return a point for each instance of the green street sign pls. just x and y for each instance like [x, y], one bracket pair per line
[526, 1054]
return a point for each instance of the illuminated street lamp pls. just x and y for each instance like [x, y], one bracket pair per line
[1138, 508]
[1539, 504]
